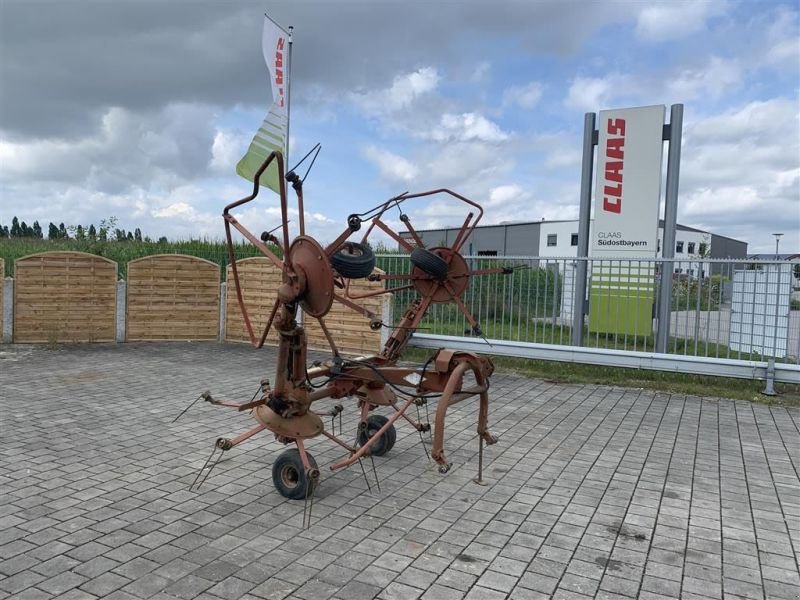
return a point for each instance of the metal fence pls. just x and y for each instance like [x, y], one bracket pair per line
[719, 309]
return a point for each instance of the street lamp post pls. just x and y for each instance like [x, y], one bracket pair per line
[777, 241]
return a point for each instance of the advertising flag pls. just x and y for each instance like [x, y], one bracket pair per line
[272, 133]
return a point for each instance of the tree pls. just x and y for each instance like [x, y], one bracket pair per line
[52, 231]
[15, 230]
[24, 230]
[63, 231]
[130, 236]
[80, 234]
[37, 230]
[92, 232]
[103, 235]
[137, 234]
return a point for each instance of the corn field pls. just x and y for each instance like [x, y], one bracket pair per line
[123, 251]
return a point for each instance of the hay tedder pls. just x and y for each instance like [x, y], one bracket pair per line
[314, 276]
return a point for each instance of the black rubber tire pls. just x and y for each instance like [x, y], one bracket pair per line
[433, 264]
[384, 443]
[289, 476]
[353, 260]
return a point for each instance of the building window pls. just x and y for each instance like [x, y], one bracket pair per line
[678, 270]
[487, 252]
[552, 239]
[703, 248]
[690, 272]
[573, 240]
[658, 246]
[690, 248]
[679, 248]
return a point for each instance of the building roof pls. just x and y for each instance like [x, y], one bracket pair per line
[518, 223]
[771, 256]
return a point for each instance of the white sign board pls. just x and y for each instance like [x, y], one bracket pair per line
[628, 185]
[760, 310]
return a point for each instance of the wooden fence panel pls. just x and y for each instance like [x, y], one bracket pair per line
[349, 329]
[65, 297]
[259, 279]
[172, 297]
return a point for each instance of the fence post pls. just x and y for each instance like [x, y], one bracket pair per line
[121, 310]
[223, 302]
[8, 311]
[670, 221]
[579, 289]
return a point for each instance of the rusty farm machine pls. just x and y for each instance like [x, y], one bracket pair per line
[314, 276]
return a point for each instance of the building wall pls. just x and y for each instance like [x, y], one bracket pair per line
[522, 239]
[562, 230]
[725, 247]
[530, 239]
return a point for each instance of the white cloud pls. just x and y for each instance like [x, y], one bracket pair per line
[466, 127]
[740, 171]
[782, 43]
[404, 91]
[128, 150]
[713, 79]
[524, 96]
[594, 93]
[392, 167]
[226, 151]
[482, 71]
[673, 20]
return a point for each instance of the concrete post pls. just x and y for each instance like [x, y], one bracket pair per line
[223, 301]
[8, 311]
[122, 287]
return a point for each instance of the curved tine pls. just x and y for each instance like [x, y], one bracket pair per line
[235, 273]
[256, 183]
[383, 208]
[269, 322]
[457, 196]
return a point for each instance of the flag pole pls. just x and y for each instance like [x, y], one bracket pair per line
[289, 94]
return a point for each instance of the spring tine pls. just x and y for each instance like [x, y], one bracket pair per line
[200, 472]
[183, 412]
[375, 473]
[308, 506]
[428, 420]
[424, 446]
[211, 468]
[363, 471]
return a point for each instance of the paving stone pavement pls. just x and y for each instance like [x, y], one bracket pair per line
[592, 492]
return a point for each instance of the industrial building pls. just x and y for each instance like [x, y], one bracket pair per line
[560, 239]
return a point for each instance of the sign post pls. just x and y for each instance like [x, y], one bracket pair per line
[670, 225]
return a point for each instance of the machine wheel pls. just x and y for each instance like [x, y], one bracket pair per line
[384, 443]
[431, 263]
[353, 260]
[289, 476]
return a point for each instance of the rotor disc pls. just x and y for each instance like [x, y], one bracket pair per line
[308, 257]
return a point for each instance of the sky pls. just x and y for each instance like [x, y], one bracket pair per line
[140, 110]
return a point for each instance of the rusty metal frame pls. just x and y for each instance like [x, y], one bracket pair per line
[374, 380]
